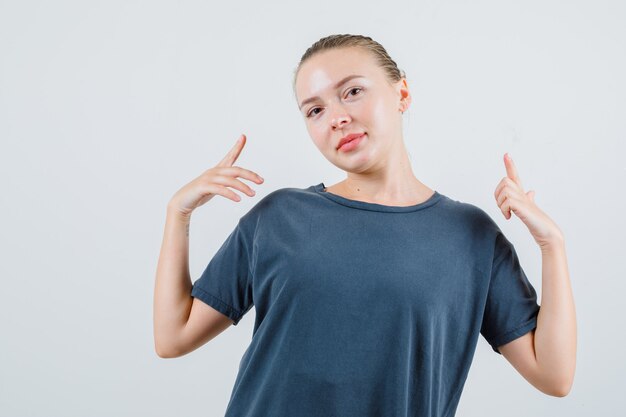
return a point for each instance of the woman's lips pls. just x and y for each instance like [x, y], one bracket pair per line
[348, 146]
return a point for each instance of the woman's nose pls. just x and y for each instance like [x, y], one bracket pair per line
[339, 117]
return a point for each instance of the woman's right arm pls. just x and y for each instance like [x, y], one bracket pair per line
[172, 300]
[183, 323]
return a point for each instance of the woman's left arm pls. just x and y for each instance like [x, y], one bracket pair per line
[555, 335]
[554, 341]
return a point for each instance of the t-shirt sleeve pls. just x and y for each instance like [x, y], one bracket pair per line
[226, 283]
[511, 309]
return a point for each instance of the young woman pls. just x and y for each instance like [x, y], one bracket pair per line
[370, 294]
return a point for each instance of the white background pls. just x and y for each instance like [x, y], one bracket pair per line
[108, 108]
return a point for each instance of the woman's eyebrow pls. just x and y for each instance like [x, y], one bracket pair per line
[339, 84]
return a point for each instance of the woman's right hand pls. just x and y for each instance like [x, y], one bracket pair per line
[215, 181]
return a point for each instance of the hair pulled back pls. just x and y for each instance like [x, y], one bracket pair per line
[384, 61]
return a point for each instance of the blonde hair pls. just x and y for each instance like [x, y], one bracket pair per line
[384, 61]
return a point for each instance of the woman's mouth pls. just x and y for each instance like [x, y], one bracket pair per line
[348, 146]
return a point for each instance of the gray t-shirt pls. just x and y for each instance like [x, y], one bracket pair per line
[364, 309]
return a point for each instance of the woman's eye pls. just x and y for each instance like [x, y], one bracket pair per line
[311, 111]
[355, 88]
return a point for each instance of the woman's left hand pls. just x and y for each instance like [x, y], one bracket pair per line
[511, 197]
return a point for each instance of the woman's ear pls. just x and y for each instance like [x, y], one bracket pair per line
[405, 95]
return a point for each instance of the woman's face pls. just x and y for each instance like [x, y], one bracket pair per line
[365, 104]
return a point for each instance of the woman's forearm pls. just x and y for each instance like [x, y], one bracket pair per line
[172, 291]
[555, 335]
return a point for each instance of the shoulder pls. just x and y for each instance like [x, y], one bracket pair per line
[469, 216]
[275, 202]
[280, 197]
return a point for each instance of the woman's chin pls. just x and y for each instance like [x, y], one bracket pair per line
[356, 165]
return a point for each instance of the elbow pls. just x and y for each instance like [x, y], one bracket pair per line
[562, 390]
[161, 353]
[556, 383]
[165, 352]
[553, 384]
[558, 389]
[166, 344]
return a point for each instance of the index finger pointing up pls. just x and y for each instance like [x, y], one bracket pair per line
[511, 170]
[234, 152]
